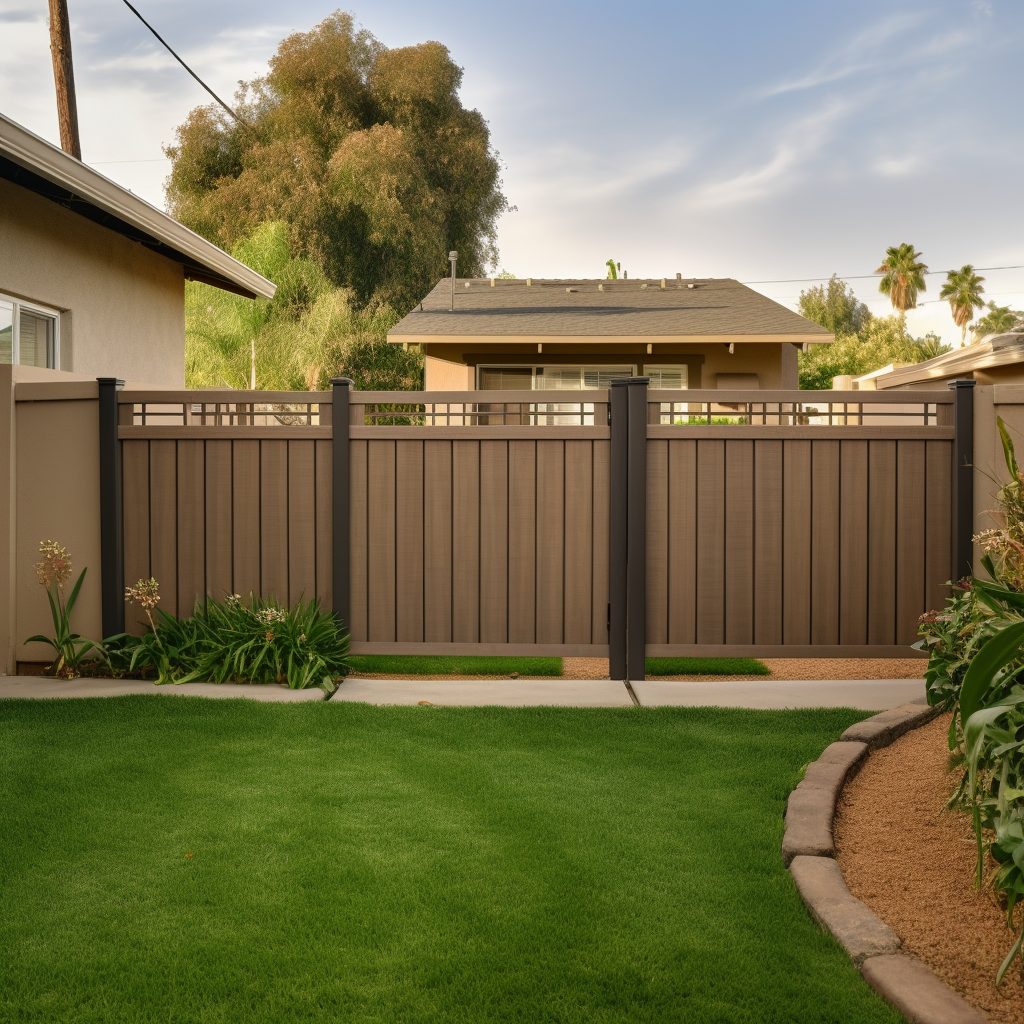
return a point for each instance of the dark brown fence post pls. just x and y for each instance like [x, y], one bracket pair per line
[618, 413]
[963, 476]
[341, 576]
[636, 516]
[111, 511]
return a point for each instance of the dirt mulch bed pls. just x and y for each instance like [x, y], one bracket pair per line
[912, 862]
[781, 668]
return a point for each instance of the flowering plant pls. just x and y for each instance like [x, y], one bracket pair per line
[53, 571]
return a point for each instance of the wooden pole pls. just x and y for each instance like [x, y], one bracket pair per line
[64, 78]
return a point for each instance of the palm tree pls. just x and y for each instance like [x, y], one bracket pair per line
[902, 276]
[998, 320]
[963, 289]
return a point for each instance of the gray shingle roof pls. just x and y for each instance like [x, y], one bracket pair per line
[592, 308]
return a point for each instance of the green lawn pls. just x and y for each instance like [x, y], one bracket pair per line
[360, 864]
[706, 667]
[399, 665]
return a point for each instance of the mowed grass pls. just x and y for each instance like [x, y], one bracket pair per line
[169, 858]
[400, 665]
[706, 667]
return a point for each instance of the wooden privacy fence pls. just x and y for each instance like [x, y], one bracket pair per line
[617, 523]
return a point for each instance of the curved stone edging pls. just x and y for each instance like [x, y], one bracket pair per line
[808, 850]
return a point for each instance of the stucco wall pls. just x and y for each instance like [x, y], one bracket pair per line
[441, 375]
[122, 306]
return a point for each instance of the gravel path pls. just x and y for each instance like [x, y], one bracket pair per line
[912, 862]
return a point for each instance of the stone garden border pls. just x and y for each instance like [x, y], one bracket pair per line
[808, 850]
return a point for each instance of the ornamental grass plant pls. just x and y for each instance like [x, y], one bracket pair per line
[232, 641]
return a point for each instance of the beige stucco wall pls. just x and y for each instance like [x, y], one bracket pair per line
[441, 375]
[122, 306]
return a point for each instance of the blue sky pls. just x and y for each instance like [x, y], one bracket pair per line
[742, 139]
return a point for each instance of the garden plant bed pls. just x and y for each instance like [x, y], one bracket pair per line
[912, 862]
[233, 861]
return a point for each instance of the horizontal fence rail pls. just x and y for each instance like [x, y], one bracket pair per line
[776, 521]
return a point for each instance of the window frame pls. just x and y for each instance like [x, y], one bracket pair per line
[533, 367]
[17, 305]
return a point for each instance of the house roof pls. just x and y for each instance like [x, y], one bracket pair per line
[992, 351]
[527, 309]
[35, 164]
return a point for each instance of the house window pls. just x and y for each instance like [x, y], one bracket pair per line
[29, 334]
[550, 378]
[667, 378]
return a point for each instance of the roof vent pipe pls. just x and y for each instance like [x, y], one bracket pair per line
[663, 283]
[453, 258]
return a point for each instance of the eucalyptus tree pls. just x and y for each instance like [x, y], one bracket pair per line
[902, 276]
[365, 153]
[963, 289]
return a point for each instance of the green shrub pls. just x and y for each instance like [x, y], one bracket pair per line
[233, 642]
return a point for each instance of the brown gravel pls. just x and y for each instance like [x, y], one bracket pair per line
[782, 668]
[912, 862]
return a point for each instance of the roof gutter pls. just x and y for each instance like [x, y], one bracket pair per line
[202, 260]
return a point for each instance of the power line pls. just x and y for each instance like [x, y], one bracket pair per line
[855, 277]
[184, 65]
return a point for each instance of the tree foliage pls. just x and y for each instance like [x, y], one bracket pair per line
[863, 342]
[902, 276]
[309, 332]
[365, 153]
[998, 320]
[963, 289]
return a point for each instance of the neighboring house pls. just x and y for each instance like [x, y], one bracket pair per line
[532, 334]
[997, 359]
[92, 278]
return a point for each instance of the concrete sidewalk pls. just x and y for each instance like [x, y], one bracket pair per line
[34, 687]
[864, 694]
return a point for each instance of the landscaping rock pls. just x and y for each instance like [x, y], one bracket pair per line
[861, 932]
[881, 729]
[808, 824]
[917, 993]
[847, 753]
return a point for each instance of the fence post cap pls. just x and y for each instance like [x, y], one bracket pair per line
[339, 381]
[639, 380]
[961, 383]
[110, 381]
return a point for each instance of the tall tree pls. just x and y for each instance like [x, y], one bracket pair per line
[366, 153]
[963, 289]
[834, 307]
[998, 320]
[902, 276]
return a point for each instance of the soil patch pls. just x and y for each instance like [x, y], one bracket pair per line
[912, 862]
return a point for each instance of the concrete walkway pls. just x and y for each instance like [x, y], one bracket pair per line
[865, 694]
[39, 686]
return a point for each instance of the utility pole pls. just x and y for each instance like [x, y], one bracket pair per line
[64, 78]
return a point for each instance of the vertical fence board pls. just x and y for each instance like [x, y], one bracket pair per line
[466, 542]
[437, 541]
[657, 542]
[768, 542]
[711, 540]
[380, 542]
[274, 520]
[522, 548]
[245, 487]
[938, 523]
[796, 542]
[494, 542]
[358, 514]
[739, 551]
[191, 525]
[550, 541]
[853, 542]
[135, 470]
[881, 542]
[409, 541]
[301, 521]
[682, 542]
[910, 538]
[600, 541]
[579, 541]
[324, 524]
[825, 502]
[163, 518]
[218, 519]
